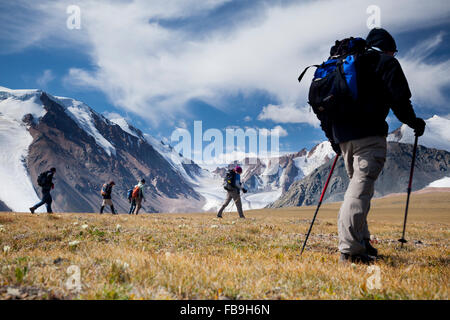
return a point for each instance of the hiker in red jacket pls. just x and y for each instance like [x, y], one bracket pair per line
[136, 197]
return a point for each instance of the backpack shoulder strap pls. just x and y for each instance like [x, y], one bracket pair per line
[306, 69]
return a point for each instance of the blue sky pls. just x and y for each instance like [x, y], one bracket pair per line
[164, 64]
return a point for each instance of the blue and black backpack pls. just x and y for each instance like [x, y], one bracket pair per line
[130, 194]
[229, 182]
[334, 90]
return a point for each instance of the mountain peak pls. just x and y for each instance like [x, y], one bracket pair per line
[436, 135]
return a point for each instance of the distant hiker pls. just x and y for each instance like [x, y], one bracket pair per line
[106, 194]
[45, 181]
[355, 124]
[136, 197]
[233, 186]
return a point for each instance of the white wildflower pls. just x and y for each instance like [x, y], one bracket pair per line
[84, 226]
[13, 292]
[122, 264]
[6, 249]
[74, 243]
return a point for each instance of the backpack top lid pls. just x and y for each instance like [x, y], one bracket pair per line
[348, 46]
[230, 177]
[231, 173]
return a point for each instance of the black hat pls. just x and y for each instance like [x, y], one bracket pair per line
[53, 169]
[143, 180]
[381, 39]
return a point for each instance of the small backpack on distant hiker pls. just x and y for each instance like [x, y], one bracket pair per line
[130, 194]
[229, 183]
[42, 179]
[104, 192]
[333, 91]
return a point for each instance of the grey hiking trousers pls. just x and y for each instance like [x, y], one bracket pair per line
[235, 195]
[364, 159]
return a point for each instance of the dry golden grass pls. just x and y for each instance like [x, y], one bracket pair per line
[197, 256]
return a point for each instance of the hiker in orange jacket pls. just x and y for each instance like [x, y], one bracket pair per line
[136, 197]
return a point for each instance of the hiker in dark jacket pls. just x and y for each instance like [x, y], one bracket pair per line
[106, 194]
[46, 185]
[234, 193]
[361, 139]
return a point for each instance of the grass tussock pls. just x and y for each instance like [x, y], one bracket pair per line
[197, 256]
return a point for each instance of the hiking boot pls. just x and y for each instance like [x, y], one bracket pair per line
[219, 216]
[370, 250]
[344, 258]
[363, 259]
[32, 210]
[357, 258]
[242, 217]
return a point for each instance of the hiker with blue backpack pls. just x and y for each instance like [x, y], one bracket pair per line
[106, 195]
[45, 181]
[136, 196]
[233, 186]
[351, 94]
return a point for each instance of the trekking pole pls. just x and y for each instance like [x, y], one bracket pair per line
[320, 201]
[403, 240]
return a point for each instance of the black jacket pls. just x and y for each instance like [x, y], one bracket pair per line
[382, 85]
[108, 191]
[48, 184]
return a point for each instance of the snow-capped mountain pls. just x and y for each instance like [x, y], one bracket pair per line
[266, 178]
[440, 183]
[16, 189]
[436, 135]
[39, 131]
[270, 174]
[432, 169]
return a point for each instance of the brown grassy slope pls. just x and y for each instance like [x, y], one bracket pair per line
[194, 256]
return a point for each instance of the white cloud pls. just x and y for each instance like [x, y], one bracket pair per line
[45, 78]
[182, 124]
[289, 114]
[427, 80]
[153, 71]
[280, 131]
[248, 119]
[277, 130]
